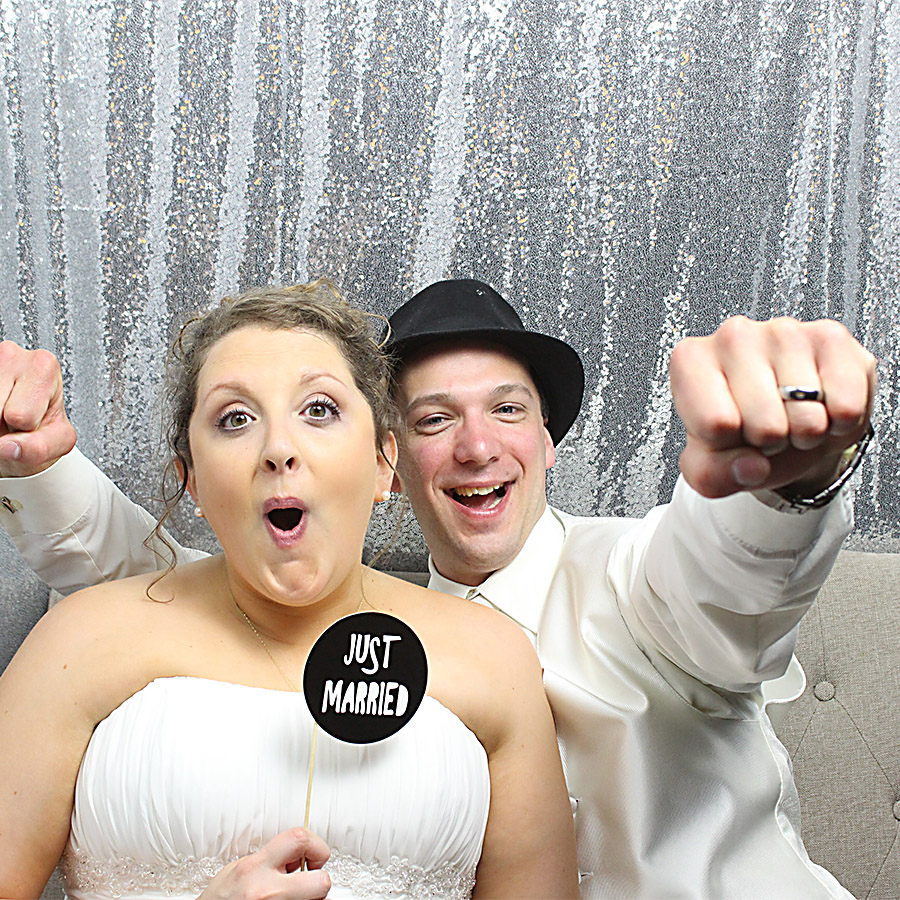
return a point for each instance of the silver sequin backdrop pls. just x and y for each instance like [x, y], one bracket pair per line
[625, 172]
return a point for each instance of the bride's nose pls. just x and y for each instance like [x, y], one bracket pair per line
[280, 450]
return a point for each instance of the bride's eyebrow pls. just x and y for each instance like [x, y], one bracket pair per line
[232, 386]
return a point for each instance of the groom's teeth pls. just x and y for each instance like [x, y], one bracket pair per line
[473, 491]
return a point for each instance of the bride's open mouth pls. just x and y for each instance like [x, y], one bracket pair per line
[285, 519]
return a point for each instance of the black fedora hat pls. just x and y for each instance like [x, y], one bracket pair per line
[464, 307]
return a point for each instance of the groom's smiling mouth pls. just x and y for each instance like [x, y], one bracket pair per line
[481, 498]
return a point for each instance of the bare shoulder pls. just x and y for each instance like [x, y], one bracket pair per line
[106, 611]
[89, 615]
[107, 606]
[99, 645]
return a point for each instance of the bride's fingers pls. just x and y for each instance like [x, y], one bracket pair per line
[275, 871]
[311, 885]
[291, 847]
[287, 852]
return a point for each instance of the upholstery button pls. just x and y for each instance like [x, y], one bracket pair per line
[897, 810]
[824, 690]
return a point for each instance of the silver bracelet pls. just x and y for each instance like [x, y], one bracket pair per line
[787, 500]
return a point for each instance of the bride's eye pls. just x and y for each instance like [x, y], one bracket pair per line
[234, 420]
[322, 410]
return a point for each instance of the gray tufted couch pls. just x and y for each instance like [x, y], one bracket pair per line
[843, 733]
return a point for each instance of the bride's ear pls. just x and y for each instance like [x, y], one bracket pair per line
[181, 470]
[387, 465]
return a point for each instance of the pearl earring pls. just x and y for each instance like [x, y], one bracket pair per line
[199, 512]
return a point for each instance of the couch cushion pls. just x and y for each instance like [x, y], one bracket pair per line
[843, 733]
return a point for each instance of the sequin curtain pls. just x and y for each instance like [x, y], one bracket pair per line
[625, 172]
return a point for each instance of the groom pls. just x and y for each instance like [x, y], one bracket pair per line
[659, 637]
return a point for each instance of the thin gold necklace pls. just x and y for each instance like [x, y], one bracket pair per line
[265, 647]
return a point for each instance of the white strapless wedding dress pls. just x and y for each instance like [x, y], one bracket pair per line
[189, 774]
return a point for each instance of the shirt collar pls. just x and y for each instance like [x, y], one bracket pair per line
[520, 588]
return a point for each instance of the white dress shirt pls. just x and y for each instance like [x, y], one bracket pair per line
[655, 636]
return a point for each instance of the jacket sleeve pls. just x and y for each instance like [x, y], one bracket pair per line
[75, 528]
[719, 586]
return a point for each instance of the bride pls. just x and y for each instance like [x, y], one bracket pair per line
[153, 732]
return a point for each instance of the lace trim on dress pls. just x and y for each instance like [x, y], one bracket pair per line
[400, 878]
[131, 876]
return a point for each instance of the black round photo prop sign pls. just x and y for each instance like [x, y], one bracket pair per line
[365, 677]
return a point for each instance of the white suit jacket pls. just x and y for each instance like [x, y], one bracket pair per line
[655, 636]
